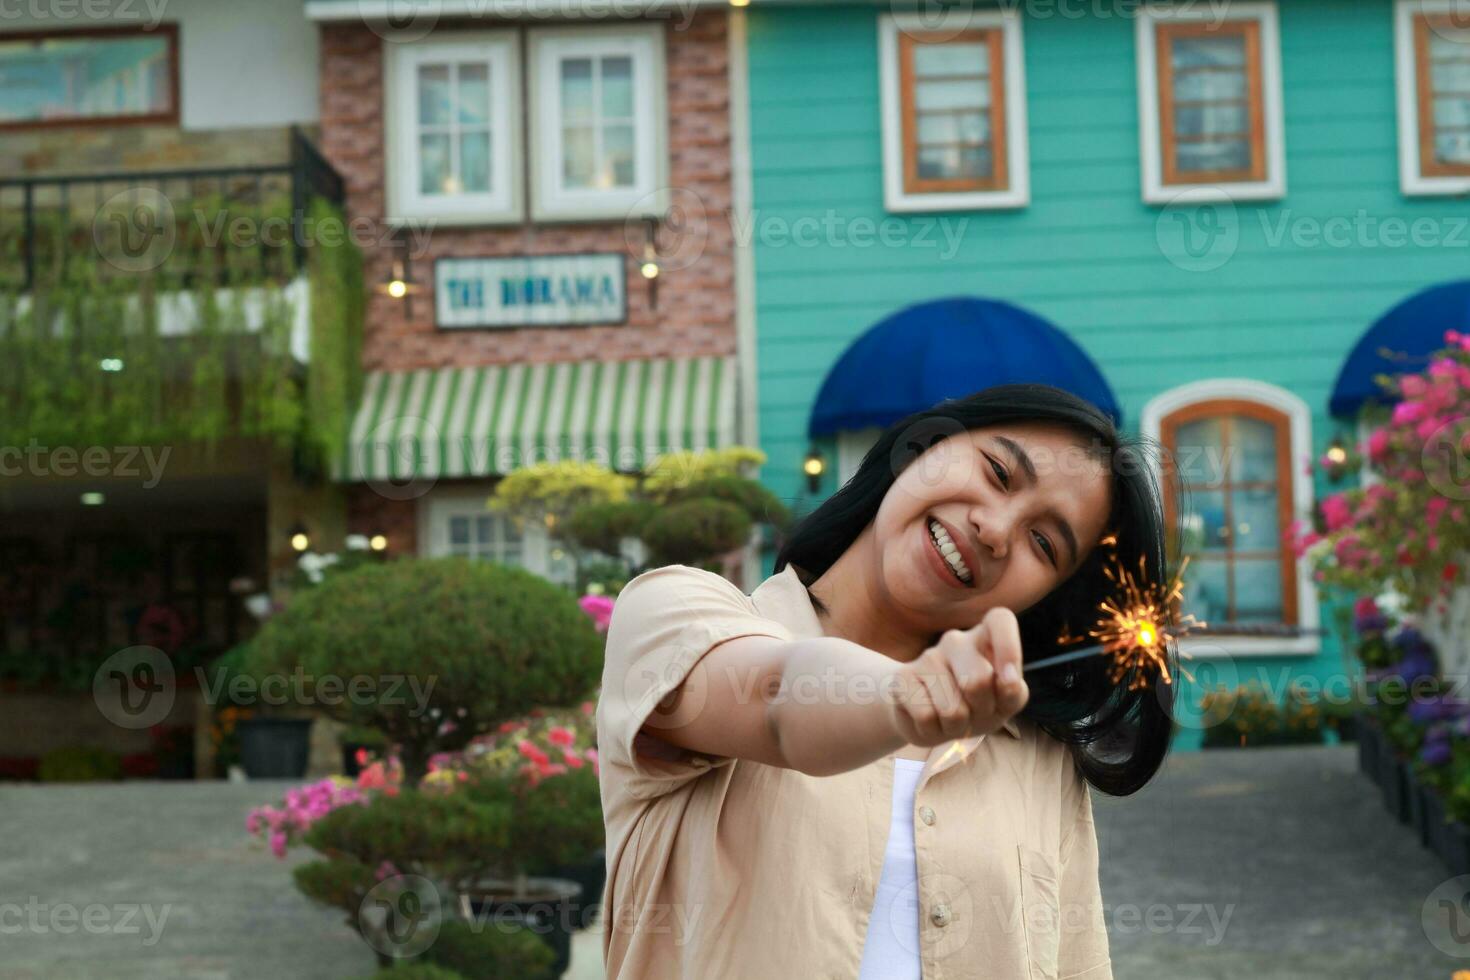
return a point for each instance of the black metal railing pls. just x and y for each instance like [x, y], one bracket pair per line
[221, 225]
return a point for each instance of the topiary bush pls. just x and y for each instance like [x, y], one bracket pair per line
[448, 648]
[416, 971]
[693, 532]
[554, 821]
[489, 952]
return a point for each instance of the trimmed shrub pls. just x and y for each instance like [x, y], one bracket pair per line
[602, 527]
[695, 531]
[454, 647]
[489, 952]
[416, 971]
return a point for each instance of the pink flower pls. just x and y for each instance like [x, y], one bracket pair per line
[1434, 510]
[1365, 607]
[588, 707]
[529, 749]
[508, 726]
[1413, 385]
[561, 735]
[573, 759]
[385, 870]
[1408, 413]
[600, 608]
[1336, 511]
[1378, 445]
[278, 843]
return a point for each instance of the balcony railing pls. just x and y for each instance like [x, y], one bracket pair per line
[221, 225]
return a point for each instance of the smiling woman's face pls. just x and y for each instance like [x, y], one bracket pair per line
[989, 517]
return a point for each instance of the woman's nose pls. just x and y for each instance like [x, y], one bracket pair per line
[993, 532]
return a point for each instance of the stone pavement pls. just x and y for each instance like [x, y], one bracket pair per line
[1265, 864]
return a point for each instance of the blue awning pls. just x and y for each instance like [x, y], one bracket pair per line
[1400, 343]
[950, 348]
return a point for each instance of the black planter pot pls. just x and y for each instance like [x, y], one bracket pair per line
[1454, 841]
[1347, 729]
[549, 910]
[1368, 753]
[275, 748]
[1418, 813]
[591, 874]
[1395, 787]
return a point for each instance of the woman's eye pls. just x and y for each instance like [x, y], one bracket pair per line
[1046, 547]
[1000, 473]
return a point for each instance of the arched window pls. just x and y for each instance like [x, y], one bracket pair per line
[1232, 492]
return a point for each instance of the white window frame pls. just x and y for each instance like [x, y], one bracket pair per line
[644, 44]
[852, 447]
[1300, 420]
[1155, 191]
[895, 197]
[500, 51]
[1411, 174]
[439, 505]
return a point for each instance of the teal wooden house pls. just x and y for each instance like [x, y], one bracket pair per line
[1212, 219]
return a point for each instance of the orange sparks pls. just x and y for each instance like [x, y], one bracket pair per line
[1133, 628]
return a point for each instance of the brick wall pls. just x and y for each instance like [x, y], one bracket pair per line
[369, 512]
[695, 311]
[109, 149]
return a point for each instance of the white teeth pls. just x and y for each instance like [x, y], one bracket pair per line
[947, 548]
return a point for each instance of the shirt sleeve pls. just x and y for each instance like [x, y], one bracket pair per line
[663, 623]
[1083, 952]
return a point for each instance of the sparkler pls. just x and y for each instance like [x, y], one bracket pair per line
[1133, 629]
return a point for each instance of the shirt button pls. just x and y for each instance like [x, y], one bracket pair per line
[926, 814]
[940, 915]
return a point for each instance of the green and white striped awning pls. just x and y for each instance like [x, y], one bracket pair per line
[480, 421]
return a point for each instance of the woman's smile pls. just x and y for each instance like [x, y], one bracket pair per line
[951, 556]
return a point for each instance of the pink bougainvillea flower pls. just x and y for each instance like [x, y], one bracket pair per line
[278, 843]
[1413, 385]
[1378, 445]
[600, 608]
[1408, 413]
[1337, 512]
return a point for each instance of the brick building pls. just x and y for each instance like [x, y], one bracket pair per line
[553, 277]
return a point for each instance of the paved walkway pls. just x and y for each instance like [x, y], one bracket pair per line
[1264, 865]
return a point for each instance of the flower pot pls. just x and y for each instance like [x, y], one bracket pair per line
[591, 874]
[1418, 815]
[275, 748]
[1454, 841]
[1368, 755]
[547, 908]
[1395, 787]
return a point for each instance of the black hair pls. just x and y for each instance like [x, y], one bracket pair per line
[1117, 730]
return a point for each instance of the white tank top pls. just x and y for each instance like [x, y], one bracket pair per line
[891, 951]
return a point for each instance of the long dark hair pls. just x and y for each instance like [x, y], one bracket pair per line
[1118, 732]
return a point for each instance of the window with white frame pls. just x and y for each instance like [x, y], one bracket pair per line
[456, 522]
[953, 111]
[1209, 101]
[598, 121]
[454, 128]
[1433, 42]
[1231, 495]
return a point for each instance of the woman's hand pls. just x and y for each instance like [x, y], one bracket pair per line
[967, 684]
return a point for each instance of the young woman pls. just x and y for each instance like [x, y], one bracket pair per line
[845, 774]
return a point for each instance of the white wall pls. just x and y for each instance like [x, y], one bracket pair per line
[242, 63]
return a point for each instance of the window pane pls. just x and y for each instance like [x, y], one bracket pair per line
[1198, 452]
[954, 163]
[474, 161]
[1205, 593]
[1210, 86]
[617, 88]
[959, 58]
[433, 95]
[1452, 147]
[1212, 157]
[474, 94]
[1253, 450]
[1202, 522]
[513, 556]
[1225, 51]
[1255, 514]
[576, 90]
[1450, 76]
[952, 95]
[1258, 591]
[617, 153]
[1448, 43]
[510, 532]
[577, 151]
[1452, 112]
[459, 530]
[485, 530]
[434, 169]
[954, 127]
[1212, 120]
[79, 78]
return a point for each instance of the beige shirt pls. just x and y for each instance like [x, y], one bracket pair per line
[722, 868]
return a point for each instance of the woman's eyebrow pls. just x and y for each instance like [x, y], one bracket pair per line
[1023, 460]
